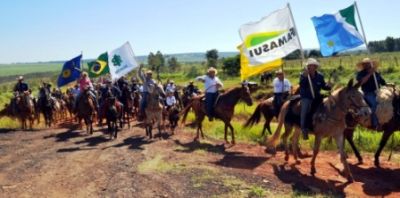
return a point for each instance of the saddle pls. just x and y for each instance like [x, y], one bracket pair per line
[387, 106]
[294, 118]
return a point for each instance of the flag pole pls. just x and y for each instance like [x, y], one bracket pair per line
[365, 41]
[301, 50]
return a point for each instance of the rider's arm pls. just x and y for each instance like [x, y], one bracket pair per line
[325, 86]
[201, 78]
[219, 83]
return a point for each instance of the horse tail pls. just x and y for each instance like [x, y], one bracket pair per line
[274, 140]
[185, 112]
[255, 117]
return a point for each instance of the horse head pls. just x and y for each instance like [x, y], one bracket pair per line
[245, 94]
[351, 99]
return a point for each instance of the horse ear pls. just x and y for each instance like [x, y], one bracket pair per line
[350, 84]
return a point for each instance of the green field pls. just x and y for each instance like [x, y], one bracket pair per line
[344, 65]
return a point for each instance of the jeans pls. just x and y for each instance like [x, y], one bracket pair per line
[305, 109]
[143, 102]
[370, 98]
[210, 102]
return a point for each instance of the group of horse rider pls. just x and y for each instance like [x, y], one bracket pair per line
[311, 82]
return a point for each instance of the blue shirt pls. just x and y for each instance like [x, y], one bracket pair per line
[318, 83]
[369, 86]
[21, 87]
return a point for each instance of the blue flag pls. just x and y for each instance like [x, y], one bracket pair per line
[70, 71]
[337, 32]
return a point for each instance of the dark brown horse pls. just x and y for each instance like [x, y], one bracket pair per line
[267, 109]
[127, 99]
[136, 103]
[224, 108]
[388, 129]
[86, 110]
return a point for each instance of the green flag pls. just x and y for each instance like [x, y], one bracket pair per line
[99, 67]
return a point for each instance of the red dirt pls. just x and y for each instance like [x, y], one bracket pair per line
[67, 163]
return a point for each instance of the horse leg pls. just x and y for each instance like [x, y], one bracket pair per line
[285, 135]
[348, 134]
[232, 132]
[109, 128]
[317, 144]
[295, 141]
[225, 133]
[159, 128]
[339, 143]
[385, 138]
[115, 127]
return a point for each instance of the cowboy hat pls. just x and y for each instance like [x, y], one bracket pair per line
[212, 69]
[20, 78]
[279, 71]
[360, 65]
[149, 72]
[312, 61]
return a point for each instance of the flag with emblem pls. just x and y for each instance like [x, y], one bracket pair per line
[121, 61]
[99, 67]
[247, 70]
[337, 32]
[270, 38]
[70, 71]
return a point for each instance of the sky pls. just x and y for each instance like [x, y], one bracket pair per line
[49, 30]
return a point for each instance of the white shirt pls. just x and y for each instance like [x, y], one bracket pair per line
[281, 85]
[210, 84]
[171, 100]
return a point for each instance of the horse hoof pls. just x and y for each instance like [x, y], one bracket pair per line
[313, 171]
[350, 179]
[377, 164]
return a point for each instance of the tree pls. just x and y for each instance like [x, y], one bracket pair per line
[212, 58]
[151, 60]
[231, 65]
[314, 53]
[173, 63]
[390, 44]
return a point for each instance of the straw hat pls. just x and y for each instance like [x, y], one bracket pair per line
[212, 69]
[279, 71]
[20, 78]
[312, 61]
[360, 65]
[149, 72]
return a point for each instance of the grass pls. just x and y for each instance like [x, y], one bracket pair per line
[156, 164]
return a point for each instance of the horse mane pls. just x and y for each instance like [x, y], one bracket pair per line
[231, 91]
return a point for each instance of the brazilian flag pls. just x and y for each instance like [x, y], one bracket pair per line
[99, 67]
[70, 71]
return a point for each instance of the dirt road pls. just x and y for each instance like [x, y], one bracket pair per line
[68, 163]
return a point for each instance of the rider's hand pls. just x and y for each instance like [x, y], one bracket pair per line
[305, 72]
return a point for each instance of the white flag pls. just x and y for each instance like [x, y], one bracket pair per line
[271, 38]
[121, 61]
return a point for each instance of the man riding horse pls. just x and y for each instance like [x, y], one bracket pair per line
[86, 84]
[370, 81]
[311, 83]
[147, 80]
[212, 84]
[19, 88]
[282, 87]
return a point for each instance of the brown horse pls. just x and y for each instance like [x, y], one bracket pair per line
[388, 128]
[224, 108]
[267, 109]
[127, 100]
[327, 121]
[25, 109]
[154, 109]
[86, 110]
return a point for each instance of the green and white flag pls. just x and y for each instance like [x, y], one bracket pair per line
[121, 61]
